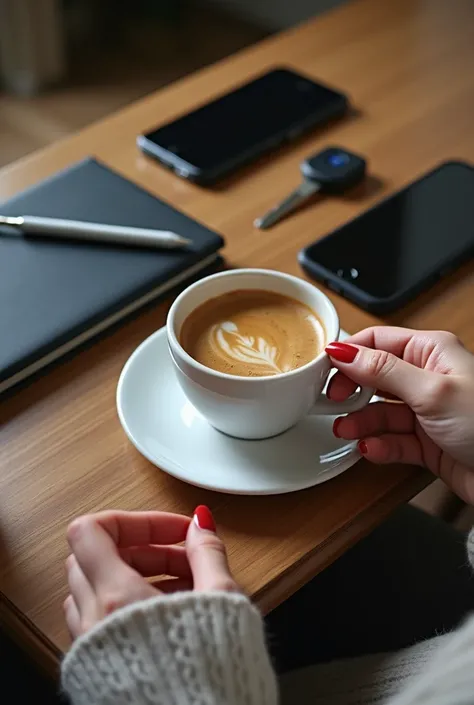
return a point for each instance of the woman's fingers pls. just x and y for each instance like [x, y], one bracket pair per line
[79, 587]
[207, 555]
[95, 541]
[114, 552]
[375, 419]
[387, 432]
[430, 349]
[389, 338]
[73, 619]
[157, 560]
[399, 362]
[81, 607]
[97, 554]
[383, 370]
[109, 564]
[143, 528]
[341, 387]
[393, 448]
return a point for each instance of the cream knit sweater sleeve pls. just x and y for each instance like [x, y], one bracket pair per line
[184, 649]
[209, 649]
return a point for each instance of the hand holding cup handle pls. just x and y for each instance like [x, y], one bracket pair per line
[430, 375]
[358, 399]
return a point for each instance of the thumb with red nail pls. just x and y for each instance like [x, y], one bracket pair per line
[207, 555]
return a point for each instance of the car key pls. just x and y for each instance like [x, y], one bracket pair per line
[334, 170]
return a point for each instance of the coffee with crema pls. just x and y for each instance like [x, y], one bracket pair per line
[253, 333]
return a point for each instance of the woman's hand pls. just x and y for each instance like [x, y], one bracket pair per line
[113, 552]
[433, 375]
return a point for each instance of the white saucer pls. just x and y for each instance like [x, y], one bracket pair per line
[168, 430]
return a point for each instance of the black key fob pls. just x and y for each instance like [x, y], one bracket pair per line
[334, 169]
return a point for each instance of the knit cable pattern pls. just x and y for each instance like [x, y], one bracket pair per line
[184, 649]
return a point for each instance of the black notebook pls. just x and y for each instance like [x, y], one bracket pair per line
[55, 295]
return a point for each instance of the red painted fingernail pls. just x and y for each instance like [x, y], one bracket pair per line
[335, 427]
[204, 518]
[362, 446]
[342, 352]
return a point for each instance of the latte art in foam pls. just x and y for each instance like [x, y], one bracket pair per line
[244, 348]
[253, 333]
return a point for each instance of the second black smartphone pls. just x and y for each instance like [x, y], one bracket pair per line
[383, 258]
[219, 137]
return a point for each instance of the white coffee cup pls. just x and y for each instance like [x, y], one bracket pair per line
[257, 407]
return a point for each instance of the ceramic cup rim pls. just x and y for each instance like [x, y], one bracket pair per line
[176, 349]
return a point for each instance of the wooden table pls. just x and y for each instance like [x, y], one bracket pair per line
[409, 69]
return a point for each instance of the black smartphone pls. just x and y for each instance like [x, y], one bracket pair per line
[383, 258]
[236, 128]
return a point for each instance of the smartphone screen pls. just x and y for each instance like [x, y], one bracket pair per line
[223, 131]
[423, 229]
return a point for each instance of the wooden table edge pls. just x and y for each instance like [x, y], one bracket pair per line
[21, 630]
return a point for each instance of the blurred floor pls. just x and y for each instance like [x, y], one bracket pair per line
[144, 58]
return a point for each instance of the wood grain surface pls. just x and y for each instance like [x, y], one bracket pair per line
[408, 67]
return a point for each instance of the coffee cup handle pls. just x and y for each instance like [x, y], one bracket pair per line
[328, 407]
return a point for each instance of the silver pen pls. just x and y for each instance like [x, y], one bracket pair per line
[96, 232]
